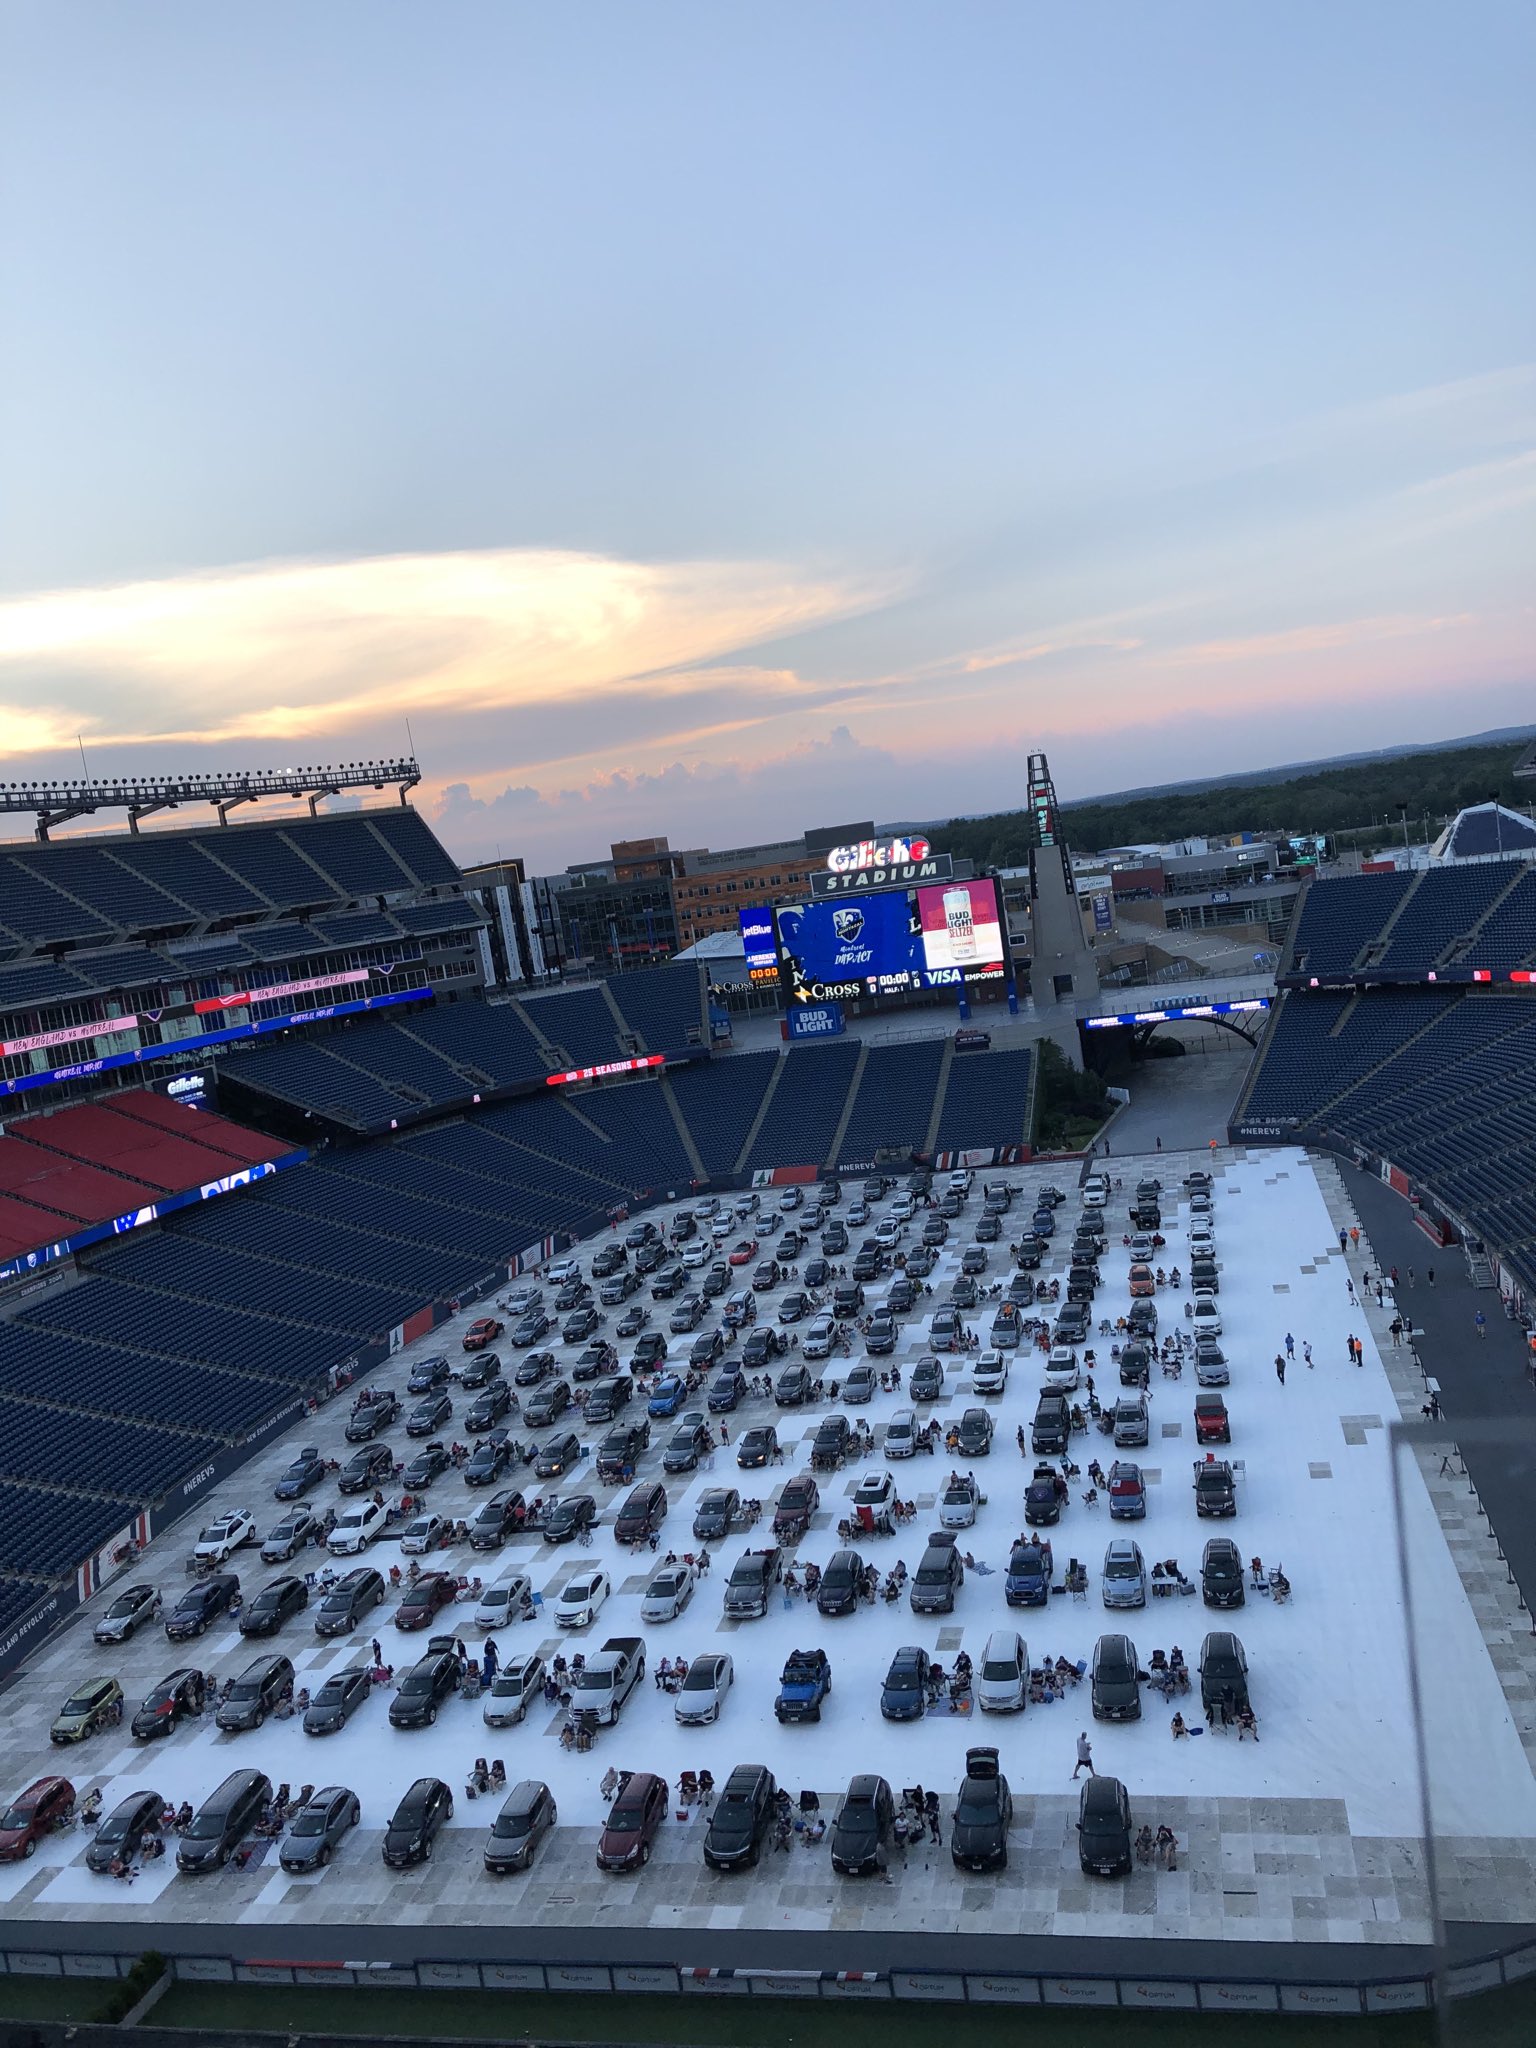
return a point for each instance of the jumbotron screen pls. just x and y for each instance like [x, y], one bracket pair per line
[891, 941]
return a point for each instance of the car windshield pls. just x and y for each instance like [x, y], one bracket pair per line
[507, 1685]
[354, 1520]
[511, 1827]
[997, 1669]
[311, 1821]
[82, 1703]
[206, 1826]
[17, 1817]
[627, 1820]
[114, 1828]
[417, 1682]
[903, 1678]
[701, 1676]
[337, 1603]
[245, 1689]
[332, 1693]
[977, 1805]
[127, 1604]
[1121, 1568]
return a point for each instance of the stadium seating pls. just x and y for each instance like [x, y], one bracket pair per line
[986, 1100]
[188, 870]
[661, 1006]
[1444, 905]
[1338, 916]
[894, 1102]
[720, 1100]
[1508, 937]
[807, 1106]
[578, 1023]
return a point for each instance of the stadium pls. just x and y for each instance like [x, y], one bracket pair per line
[276, 1157]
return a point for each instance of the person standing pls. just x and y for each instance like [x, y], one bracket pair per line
[1306, 1352]
[1084, 1757]
[1280, 1367]
[1343, 1239]
[1429, 1275]
[1290, 1345]
[1354, 1235]
[1350, 1341]
[1482, 1323]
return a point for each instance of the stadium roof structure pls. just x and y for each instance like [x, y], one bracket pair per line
[56, 803]
[1485, 832]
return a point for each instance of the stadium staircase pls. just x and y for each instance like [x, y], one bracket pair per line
[780, 1068]
[835, 1149]
[931, 1135]
[685, 1137]
[1521, 882]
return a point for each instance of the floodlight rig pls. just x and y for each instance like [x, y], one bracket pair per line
[56, 803]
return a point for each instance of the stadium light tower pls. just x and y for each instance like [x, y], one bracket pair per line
[1063, 965]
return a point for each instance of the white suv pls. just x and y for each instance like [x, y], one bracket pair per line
[817, 1341]
[218, 1543]
[356, 1528]
[991, 1373]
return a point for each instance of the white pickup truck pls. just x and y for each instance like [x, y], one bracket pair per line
[608, 1678]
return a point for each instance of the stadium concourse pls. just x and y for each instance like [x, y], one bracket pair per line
[1300, 1851]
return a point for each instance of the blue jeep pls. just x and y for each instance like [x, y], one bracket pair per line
[805, 1684]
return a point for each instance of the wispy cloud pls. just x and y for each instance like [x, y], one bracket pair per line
[294, 652]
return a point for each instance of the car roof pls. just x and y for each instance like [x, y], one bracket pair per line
[1101, 1793]
[524, 1795]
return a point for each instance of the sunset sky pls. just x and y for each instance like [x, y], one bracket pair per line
[717, 421]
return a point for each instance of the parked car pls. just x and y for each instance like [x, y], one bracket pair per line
[1131, 1424]
[306, 1472]
[717, 1513]
[1114, 1686]
[422, 1603]
[123, 1832]
[276, 1603]
[1030, 1566]
[217, 1544]
[743, 1812]
[416, 1823]
[901, 1434]
[338, 1698]
[633, 1823]
[703, 1692]
[423, 1689]
[1002, 1685]
[133, 1605]
[940, 1575]
[1215, 1492]
[927, 1381]
[1223, 1669]
[904, 1695]
[499, 1606]
[577, 1606]
[319, 1828]
[1123, 1582]
[558, 1456]
[218, 1827]
[344, 1606]
[200, 1605]
[983, 1811]
[175, 1699]
[727, 1390]
[863, 1832]
[1127, 1491]
[518, 1685]
[641, 1514]
[804, 1685]
[1221, 1574]
[1104, 1827]
[426, 1468]
[289, 1536]
[527, 1814]
[429, 1414]
[92, 1705]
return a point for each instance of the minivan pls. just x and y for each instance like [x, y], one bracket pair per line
[838, 1592]
[741, 1818]
[259, 1690]
[223, 1821]
[940, 1576]
[643, 1512]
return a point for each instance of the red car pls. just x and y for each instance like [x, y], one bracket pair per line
[484, 1332]
[633, 1822]
[745, 1252]
[1211, 1423]
[44, 1806]
[432, 1592]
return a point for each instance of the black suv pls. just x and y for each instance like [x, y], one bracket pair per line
[1104, 1828]
[1115, 1687]
[793, 1386]
[865, 1824]
[367, 1468]
[757, 1447]
[1221, 1574]
[838, 1592]
[983, 1810]
[272, 1606]
[417, 1822]
[428, 1373]
[370, 1416]
[175, 1699]
[1052, 1424]
[429, 1414]
[927, 1382]
[742, 1816]
[222, 1822]
[201, 1604]
[348, 1601]
[423, 1689]
[260, 1690]
[716, 1513]
[1223, 1673]
[488, 1408]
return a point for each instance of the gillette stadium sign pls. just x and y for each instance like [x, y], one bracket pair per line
[894, 863]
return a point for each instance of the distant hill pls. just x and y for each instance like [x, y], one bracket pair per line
[1351, 792]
